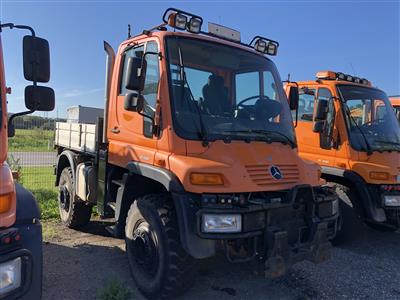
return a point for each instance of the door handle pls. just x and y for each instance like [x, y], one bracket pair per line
[115, 130]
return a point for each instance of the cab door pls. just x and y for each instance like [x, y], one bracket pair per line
[315, 146]
[130, 134]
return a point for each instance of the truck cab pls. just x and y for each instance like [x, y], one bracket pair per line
[20, 227]
[395, 101]
[196, 154]
[348, 127]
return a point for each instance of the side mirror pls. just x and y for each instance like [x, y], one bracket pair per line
[293, 97]
[135, 74]
[134, 102]
[39, 98]
[321, 111]
[318, 126]
[36, 59]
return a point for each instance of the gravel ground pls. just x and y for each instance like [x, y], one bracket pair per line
[78, 264]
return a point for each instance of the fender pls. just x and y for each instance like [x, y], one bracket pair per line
[163, 176]
[366, 197]
[66, 158]
[28, 211]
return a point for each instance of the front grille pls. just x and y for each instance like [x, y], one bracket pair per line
[260, 174]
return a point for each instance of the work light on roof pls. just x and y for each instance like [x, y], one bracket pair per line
[330, 75]
[182, 20]
[265, 45]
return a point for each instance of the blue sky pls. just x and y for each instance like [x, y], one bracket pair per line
[356, 37]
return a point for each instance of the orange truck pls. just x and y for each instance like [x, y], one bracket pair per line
[20, 228]
[348, 127]
[395, 100]
[196, 153]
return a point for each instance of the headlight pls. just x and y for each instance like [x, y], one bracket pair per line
[10, 276]
[216, 223]
[391, 200]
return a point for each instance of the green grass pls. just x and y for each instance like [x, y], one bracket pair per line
[114, 290]
[40, 181]
[31, 140]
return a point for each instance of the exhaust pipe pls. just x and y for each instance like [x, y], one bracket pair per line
[110, 59]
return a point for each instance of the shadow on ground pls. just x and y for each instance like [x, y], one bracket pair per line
[78, 264]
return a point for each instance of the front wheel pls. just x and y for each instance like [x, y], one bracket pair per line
[74, 213]
[160, 266]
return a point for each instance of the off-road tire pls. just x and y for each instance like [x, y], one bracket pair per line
[75, 213]
[349, 220]
[175, 269]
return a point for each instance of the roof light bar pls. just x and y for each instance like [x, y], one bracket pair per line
[330, 75]
[265, 45]
[182, 20]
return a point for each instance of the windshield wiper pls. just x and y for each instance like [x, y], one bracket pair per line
[266, 133]
[389, 143]
[183, 82]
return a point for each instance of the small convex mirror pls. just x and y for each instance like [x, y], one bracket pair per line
[39, 98]
[36, 59]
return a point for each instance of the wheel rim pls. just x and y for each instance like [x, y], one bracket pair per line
[64, 199]
[144, 249]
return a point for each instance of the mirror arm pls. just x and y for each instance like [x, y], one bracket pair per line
[12, 25]
[12, 117]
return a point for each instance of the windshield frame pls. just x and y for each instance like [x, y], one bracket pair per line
[348, 120]
[257, 136]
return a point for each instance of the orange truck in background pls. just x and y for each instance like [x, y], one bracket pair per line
[20, 228]
[348, 127]
[196, 153]
[395, 101]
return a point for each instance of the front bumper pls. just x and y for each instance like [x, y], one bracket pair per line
[380, 195]
[29, 249]
[277, 233]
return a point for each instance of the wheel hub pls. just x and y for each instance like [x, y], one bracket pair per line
[64, 197]
[144, 249]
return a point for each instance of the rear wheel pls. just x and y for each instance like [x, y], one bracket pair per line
[74, 213]
[159, 264]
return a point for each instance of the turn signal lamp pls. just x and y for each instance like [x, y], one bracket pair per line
[379, 175]
[5, 202]
[206, 179]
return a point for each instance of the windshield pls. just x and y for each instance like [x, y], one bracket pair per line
[221, 92]
[371, 121]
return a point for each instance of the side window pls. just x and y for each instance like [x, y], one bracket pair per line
[134, 52]
[150, 87]
[306, 105]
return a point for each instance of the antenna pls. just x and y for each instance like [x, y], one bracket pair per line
[288, 77]
[129, 31]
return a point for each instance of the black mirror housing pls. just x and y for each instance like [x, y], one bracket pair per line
[36, 56]
[321, 111]
[318, 126]
[293, 97]
[136, 73]
[39, 98]
[134, 102]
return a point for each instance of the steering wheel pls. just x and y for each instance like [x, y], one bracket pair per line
[246, 108]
